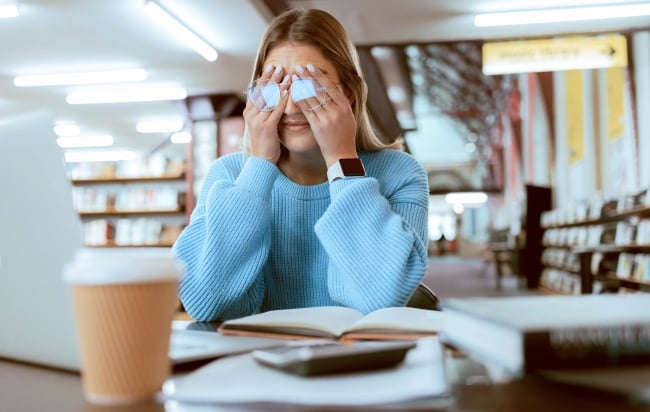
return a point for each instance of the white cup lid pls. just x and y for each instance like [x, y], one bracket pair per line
[122, 265]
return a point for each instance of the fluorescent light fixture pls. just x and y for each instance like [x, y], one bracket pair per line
[85, 141]
[126, 95]
[561, 15]
[466, 198]
[98, 77]
[103, 156]
[8, 9]
[181, 137]
[66, 129]
[159, 126]
[180, 31]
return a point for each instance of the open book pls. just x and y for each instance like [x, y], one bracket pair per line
[337, 322]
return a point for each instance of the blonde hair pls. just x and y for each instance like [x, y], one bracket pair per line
[321, 30]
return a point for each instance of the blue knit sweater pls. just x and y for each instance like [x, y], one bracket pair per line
[258, 241]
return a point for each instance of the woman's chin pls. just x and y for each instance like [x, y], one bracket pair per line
[299, 142]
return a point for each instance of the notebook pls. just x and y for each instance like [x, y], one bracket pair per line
[39, 231]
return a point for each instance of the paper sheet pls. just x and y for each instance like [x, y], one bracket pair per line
[239, 379]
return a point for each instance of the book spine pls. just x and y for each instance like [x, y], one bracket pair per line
[587, 347]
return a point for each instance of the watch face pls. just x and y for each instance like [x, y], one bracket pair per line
[352, 167]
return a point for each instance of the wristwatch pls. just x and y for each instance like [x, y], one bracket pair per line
[345, 169]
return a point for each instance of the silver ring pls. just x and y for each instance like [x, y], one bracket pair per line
[321, 104]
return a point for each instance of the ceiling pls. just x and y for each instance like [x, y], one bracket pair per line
[81, 35]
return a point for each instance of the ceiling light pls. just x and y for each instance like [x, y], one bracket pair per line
[126, 94]
[104, 156]
[396, 94]
[8, 9]
[181, 31]
[466, 198]
[85, 141]
[159, 126]
[99, 77]
[561, 15]
[470, 147]
[66, 129]
[181, 138]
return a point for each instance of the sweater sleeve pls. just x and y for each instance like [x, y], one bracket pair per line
[376, 242]
[226, 244]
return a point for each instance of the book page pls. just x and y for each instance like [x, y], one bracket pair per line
[324, 321]
[399, 320]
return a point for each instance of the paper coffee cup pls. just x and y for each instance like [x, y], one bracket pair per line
[124, 301]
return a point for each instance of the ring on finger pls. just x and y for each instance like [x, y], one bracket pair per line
[321, 103]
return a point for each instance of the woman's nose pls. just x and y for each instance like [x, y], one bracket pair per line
[291, 107]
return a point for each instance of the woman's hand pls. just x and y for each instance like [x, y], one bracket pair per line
[262, 126]
[330, 116]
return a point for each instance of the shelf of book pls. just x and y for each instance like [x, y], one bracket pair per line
[548, 291]
[118, 212]
[132, 204]
[130, 179]
[623, 282]
[605, 249]
[112, 244]
[640, 211]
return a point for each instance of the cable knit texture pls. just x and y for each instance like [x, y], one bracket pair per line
[258, 241]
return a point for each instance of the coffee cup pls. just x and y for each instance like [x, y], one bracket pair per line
[124, 303]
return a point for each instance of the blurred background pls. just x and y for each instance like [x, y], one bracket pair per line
[484, 122]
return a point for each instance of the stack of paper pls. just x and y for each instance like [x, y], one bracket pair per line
[239, 379]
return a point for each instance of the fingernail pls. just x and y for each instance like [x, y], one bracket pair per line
[285, 79]
[311, 68]
[268, 68]
[294, 77]
[299, 69]
[278, 69]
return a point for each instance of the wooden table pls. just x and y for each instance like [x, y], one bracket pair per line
[29, 388]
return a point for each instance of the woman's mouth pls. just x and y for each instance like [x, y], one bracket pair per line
[296, 126]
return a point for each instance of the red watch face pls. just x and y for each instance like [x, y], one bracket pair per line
[352, 167]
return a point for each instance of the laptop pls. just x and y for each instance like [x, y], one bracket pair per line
[39, 232]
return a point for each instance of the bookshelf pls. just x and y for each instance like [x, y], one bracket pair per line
[601, 249]
[125, 206]
[522, 250]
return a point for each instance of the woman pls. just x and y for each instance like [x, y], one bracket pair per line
[270, 230]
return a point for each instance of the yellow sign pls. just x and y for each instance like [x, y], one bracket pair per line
[575, 115]
[615, 103]
[564, 53]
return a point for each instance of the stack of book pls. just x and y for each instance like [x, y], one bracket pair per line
[528, 333]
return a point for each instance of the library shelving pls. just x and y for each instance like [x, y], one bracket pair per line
[134, 209]
[601, 249]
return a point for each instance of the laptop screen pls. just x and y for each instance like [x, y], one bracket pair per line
[39, 231]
